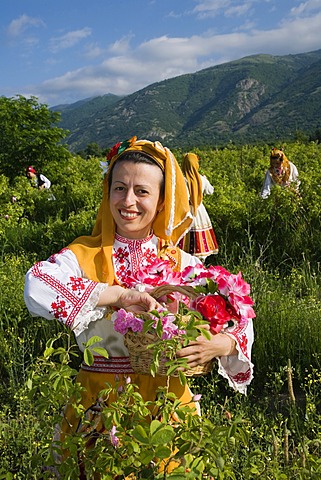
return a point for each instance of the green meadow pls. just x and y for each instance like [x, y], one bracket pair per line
[272, 433]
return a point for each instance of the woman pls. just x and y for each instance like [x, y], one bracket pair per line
[138, 220]
[39, 180]
[200, 240]
[282, 172]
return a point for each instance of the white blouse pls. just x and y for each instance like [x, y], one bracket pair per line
[268, 181]
[58, 289]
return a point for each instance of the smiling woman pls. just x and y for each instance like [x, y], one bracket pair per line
[143, 215]
[136, 194]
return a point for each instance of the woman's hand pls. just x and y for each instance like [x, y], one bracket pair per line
[130, 300]
[134, 301]
[202, 350]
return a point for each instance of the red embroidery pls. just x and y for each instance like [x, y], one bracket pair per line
[52, 258]
[149, 255]
[131, 254]
[242, 377]
[59, 309]
[77, 284]
[121, 255]
[243, 344]
[239, 333]
[69, 301]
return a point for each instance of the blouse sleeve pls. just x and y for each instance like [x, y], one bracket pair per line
[294, 175]
[47, 182]
[238, 369]
[266, 188]
[57, 289]
[208, 189]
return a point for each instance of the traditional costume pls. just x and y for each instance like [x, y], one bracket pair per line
[200, 240]
[39, 180]
[282, 172]
[67, 286]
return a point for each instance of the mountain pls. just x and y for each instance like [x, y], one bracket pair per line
[254, 99]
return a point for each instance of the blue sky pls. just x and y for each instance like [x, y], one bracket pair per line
[62, 51]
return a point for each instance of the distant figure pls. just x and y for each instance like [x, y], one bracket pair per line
[37, 179]
[200, 241]
[282, 172]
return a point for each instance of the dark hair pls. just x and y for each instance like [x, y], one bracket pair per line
[137, 157]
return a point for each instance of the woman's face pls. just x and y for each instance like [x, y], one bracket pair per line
[135, 198]
[277, 164]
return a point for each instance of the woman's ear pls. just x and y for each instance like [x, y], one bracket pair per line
[160, 207]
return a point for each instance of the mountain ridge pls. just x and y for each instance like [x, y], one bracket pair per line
[256, 98]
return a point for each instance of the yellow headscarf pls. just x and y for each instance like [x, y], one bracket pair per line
[94, 252]
[190, 167]
[279, 167]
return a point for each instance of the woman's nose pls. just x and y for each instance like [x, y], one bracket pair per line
[129, 198]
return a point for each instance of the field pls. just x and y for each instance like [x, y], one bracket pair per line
[272, 433]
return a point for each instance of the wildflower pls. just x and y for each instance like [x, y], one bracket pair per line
[170, 329]
[113, 438]
[123, 321]
[197, 397]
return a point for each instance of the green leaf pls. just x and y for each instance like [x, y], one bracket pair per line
[146, 456]
[29, 384]
[220, 463]
[176, 476]
[148, 325]
[48, 352]
[140, 434]
[155, 425]
[182, 378]
[101, 351]
[162, 452]
[92, 340]
[88, 357]
[205, 333]
[159, 329]
[163, 436]
[171, 369]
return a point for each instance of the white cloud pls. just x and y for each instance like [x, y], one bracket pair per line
[121, 46]
[19, 26]
[238, 10]
[93, 50]
[126, 69]
[69, 39]
[212, 8]
[306, 7]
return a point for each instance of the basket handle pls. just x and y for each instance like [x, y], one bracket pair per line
[158, 292]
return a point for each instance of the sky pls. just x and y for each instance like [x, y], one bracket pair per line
[62, 51]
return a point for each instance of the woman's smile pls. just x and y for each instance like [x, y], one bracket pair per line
[129, 214]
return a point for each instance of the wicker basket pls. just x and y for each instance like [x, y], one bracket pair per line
[141, 357]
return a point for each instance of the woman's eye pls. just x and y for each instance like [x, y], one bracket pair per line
[142, 192]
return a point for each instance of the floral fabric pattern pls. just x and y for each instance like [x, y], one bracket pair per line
[67, 295]
[130, 255]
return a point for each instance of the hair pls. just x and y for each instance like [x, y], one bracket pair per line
[137, 157]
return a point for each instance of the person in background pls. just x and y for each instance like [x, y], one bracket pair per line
[38, 180]
[282, 172]
[200, 241]
[144, 211]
